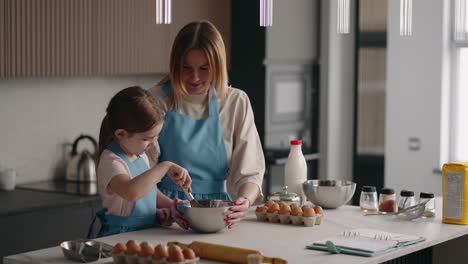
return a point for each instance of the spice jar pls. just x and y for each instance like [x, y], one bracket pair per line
[429, 211]
[368, 200]
[387, 201]
[285, 196]
[406, 199]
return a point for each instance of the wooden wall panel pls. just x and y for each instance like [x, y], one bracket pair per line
[47, 38]
[216, 11]
[127, 39]
[94, 37]
[2, 38]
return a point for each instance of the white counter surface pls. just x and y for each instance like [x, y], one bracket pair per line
[284, 241]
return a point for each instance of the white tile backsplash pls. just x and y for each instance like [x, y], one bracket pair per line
[39, 116]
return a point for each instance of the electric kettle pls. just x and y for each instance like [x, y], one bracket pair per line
[81, 166]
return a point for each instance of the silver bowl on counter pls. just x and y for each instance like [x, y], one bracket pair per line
[329, 193]
[209, 217]
[83, 250]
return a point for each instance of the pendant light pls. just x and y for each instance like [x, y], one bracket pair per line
[163, 11]
[343, 15]
[461, 20]
[406, 17]
[266, 13]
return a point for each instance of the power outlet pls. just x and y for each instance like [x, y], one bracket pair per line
[414, 144]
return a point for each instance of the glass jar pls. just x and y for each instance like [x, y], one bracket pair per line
[406, 199]
[285, 196]
[429, 211]
[368, 200]
[387, 201]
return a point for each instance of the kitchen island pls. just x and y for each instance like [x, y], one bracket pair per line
[284, 241]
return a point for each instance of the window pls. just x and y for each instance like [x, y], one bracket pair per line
[460, 95]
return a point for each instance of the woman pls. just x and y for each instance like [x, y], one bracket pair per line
[209, 127]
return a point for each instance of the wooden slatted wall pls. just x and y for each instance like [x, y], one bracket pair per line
[79, 37]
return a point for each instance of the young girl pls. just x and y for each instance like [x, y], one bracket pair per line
[127, 185]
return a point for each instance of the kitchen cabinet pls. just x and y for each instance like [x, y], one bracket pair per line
[278, 68]
[31, 220]
[95, 37]
[266, 65]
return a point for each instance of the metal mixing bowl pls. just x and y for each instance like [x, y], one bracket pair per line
[209, 218]
[329, 193]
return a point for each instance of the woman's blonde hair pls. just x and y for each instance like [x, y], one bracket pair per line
[201, 35]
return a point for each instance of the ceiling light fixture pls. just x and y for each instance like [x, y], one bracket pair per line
[461, 20]
[266, 13]
[163, 11]
[344, 15]
[406, 17]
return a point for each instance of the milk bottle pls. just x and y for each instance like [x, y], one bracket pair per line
[295, 171]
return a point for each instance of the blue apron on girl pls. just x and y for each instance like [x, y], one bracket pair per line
[144, 212]
[198, 146]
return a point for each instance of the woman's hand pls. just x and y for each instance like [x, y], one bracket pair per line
[180, 176]
[176, 215]
[239, 211]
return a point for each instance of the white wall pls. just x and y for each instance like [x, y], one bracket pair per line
[417, 86]
[336, 96]
[39, 116]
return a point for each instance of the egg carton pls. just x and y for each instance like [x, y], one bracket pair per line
[121, 255]
[121, 258]
[289, 219]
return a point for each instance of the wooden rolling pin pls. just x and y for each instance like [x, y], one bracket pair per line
[226, 253]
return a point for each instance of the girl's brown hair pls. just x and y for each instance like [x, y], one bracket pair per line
[201, 35]
[133, 109]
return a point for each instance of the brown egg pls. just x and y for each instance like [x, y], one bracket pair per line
[282, 203]
[318, 209]
[132, 248]
[304, 207]
[293, 205]
[160, 251]
[146, 249]
[131, 242]
[296, 211]
[145, 243]
[119, 248]
[260, 209]
[285, 209]
[273, 208]
[189, 253]
[175, 254]
[269, 203]
[308, 212]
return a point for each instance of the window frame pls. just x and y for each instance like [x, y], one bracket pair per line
[457, 46]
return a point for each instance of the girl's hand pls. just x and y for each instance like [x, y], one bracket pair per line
[164, 215]
[180, 176]
[176, 215]
[239, 211]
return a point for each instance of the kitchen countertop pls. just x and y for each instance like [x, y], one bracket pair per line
[21, 201]
[284, 241]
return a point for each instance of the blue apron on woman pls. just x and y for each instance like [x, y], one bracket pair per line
[144, 212]
[198, 146]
